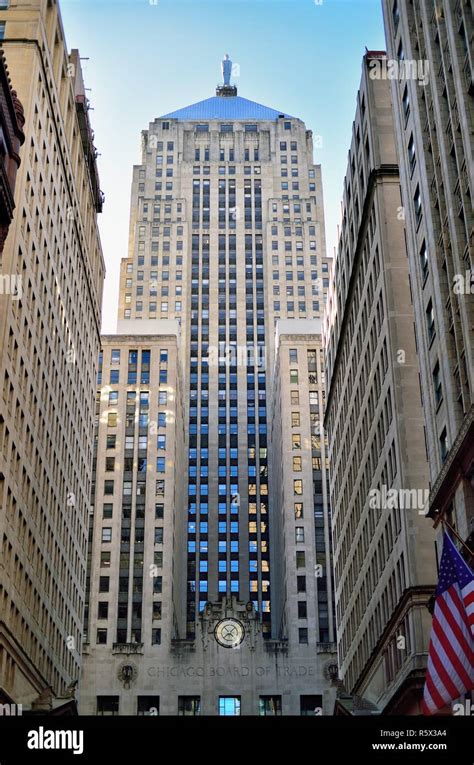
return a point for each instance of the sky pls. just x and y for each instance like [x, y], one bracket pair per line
[144, 58]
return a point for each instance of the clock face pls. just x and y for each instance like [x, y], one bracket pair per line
[229, 633]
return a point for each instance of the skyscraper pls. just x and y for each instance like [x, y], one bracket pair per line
[226, 238]
[49, 330]
[434, 126]
[384, 557]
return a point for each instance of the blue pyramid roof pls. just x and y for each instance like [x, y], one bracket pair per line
[225, 108]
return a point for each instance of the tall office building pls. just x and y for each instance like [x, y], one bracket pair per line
[432, 44]
[12, 119]
[226, 237]
[384, 558]
[49, 343]
[303, 602]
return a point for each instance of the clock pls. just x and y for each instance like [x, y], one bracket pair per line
[229, 633]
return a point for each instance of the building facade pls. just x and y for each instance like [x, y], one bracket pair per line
[12, 120]
[226, 237]
[49, 341]
[384, 557]
[301, 540]
[434, 127]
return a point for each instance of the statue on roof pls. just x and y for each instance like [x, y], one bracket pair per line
[226, 70]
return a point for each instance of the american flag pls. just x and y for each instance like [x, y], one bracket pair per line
[450, 671]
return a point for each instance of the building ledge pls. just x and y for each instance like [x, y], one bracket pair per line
[127, 648]
[326, 647]
[459, 462]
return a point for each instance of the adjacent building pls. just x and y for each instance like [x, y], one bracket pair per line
[432, 45]
[226, 238]
[384, 556]
[49, 345]
[301, 541]
[12, 120]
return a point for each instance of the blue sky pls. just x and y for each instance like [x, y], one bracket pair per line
[146, 59]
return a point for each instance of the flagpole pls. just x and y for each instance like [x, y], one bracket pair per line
[453, 531]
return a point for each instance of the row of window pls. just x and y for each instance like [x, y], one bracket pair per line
[227, 706]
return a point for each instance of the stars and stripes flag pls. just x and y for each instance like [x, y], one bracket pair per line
[450, 671]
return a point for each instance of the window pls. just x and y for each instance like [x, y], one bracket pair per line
[424, 260]
[104, 559]
[107, 534]
[299, 534]
[443, 445]
[295, 398]
[114, 376]
[430, 321]
[301, 583]
[111, 440]
[411, 153]
[112, 419]
[108, 487]
[270, 705]
[295, 419]
[395, 15]
[156, 636]
[2, 26]
[302, 609]
[229, 706]
[110, 464]
[294, 377]
[406, 103]
[297, 464]
[189, 706]
[107, 705]
[303, 635]
[298, 509]
[311, 705]
[148, 705]
[107, 510]
[417, 206]
[298, 486]
[296, 442]
[438, 388]
[293, 353]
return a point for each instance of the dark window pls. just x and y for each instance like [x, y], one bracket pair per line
[438, 388]
[270, 705]
[302, 609]
[311, 705]
[148, 705]
[189, 706]
[107, 705]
